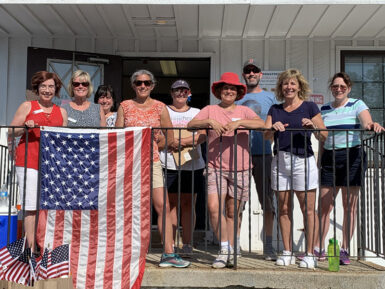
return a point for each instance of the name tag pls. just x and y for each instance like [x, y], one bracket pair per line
[38, 111]
[72, 120]
[235, 119]
[187, 156]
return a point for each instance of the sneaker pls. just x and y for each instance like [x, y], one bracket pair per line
[309, 262]
[285, 259]
[320, 256]
[173, 260]
[186, 251]
[344, 257]
[230, 262]
[270, 254]
[221, 261]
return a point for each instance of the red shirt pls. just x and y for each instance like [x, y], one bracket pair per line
[36, 114]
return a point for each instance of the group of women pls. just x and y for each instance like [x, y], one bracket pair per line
[294, 167]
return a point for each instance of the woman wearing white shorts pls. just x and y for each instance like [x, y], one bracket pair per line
[294, 167]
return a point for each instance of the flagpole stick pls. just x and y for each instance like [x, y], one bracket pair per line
[38, 199]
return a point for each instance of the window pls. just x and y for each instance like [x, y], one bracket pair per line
[367, 71]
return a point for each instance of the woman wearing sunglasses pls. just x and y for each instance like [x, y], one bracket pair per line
[145, 111]
[345, 113]
[81, 112]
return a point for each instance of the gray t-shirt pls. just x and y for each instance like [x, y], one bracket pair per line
[85, 118]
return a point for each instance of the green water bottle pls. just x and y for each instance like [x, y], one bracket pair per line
[334, 255]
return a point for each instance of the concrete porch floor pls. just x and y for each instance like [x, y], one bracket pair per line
[254, 272]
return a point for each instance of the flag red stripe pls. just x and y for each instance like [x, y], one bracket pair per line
[110, 212]
[127, 242]
[59, 229]
[21, 272]
[138, 281]
[92, 250]
[41, 228]
[75, 243]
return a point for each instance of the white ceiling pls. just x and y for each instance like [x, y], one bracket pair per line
[193, 21]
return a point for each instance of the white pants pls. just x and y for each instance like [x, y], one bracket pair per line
[31, 187]
[289, 165]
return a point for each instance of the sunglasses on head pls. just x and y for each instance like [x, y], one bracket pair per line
[249, 69]
[140, 82]
[77, 84]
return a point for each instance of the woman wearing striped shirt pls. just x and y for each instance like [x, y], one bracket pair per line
[345, 148]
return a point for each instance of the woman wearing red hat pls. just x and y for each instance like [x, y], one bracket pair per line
[223, 119]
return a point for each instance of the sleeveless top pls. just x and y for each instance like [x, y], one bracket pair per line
[37, 115]
[134, 116]
[82, 118]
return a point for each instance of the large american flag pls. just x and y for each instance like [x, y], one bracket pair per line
[95, 196]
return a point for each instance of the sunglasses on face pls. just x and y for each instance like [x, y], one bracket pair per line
[249, 69]
[140, 82]
[342, 87]
[180, 91]
[77, 84]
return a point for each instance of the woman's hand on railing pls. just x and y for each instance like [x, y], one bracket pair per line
[217, 127]
[308, 123]
[232, 125]
[30, 123]
[279, 126]
[374, 126]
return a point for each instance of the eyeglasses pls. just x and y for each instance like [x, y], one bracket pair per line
[340, 86]
[249, 69]
[77, 84]
[140, 82]
[47, 87]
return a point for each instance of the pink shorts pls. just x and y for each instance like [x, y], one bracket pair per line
[227, 186]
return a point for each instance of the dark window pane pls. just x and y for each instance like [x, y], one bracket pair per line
[373, 95]
[377, 115]
[353, 67]
[372, 68]
[356, 90]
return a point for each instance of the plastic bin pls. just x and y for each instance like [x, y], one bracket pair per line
[4, 226]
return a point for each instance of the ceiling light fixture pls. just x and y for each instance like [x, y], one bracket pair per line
[168, 67]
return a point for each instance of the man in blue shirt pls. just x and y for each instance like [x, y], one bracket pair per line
[260, 101]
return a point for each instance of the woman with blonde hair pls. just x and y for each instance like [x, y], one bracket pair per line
[294, 166]
[82, 112]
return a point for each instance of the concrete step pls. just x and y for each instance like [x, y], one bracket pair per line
[254, 272]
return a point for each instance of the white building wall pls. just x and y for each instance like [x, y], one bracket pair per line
[315, 58]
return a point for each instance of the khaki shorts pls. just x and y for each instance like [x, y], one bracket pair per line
[224, 183]
[157, 175]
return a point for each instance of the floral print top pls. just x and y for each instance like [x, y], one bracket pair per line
[150, 117]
